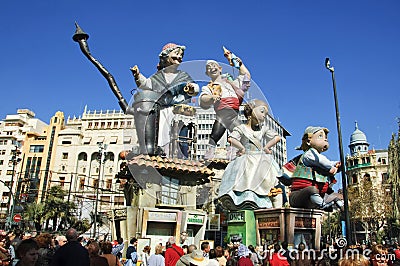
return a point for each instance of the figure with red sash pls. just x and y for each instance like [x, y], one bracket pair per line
[314, 173]
[225, 94]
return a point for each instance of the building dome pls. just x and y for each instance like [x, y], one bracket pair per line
[358, 141]
[358, 137]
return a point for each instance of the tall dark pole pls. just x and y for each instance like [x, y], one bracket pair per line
[342, 162]
[102, 148]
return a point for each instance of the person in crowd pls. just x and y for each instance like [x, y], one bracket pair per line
[354, 260]
[117, 249]
[219, 251]
[205, 247]
[253, 255]
[244, 256]
[72, 253]
[106, 248]
[45, 251]
[131, 252]
[277, 259]
[212, 256]
[302, 257]
[286, 251]
[379, 255]
[27, 252]
[197, 258]
[184, 260]
[157, 258]
[145, 255]
[173, 252]
[95, 259]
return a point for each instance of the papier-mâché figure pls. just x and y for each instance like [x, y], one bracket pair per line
[314, 173]
[249, 181]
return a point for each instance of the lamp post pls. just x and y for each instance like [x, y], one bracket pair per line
[342, 162]
[102, 154]
[14, 160]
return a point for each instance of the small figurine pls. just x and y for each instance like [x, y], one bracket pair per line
[249, 181]
[314, 173]
[225, 94]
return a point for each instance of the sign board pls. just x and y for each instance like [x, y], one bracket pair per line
[268, 222]
[17, 218]
[304, 222]
[162, 216]
[236, 217]
[195, 219]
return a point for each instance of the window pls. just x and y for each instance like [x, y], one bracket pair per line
[36, 148]
[354, 179]
[96, 124]
[1, 162]
[108, 124]
[129, 123]
[169, 190]
[2, 152]
[119, 200]
[82, 156]
[82, 183]
[383, 160]
[66, 142]
[65, 155]
[95, 183]
[62, 181]
[90, 124]
[103, 124]
[109, 183]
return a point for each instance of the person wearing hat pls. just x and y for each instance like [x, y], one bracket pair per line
[169, 86]
[226, 95]
[197, 258]
[244, 256]
[314, 173]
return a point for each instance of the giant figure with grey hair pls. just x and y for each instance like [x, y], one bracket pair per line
[314, 173]
[156, 95]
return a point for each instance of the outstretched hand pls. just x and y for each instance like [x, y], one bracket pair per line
[135, 71]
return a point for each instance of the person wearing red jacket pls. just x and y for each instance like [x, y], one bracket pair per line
[173, 252]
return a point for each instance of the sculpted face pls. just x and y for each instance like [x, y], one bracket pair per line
[213, 70]
[259, 114]
[175, 57]
[319, 141]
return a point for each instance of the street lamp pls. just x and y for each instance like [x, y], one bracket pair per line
[342, 162]
[102, 154]
[14, 160]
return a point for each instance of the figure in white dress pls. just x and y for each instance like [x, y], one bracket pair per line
[249, 181]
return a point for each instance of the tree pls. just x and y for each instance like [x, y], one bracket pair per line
[371, 204]
[332, 225]
[35, 212]
[57, 210]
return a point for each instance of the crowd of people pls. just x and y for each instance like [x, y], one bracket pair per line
[45, 249]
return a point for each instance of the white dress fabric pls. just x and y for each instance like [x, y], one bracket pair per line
[248, 179]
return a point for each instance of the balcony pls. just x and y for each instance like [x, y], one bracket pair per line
[165, 199]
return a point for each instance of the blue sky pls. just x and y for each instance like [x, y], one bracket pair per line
[283, 43]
